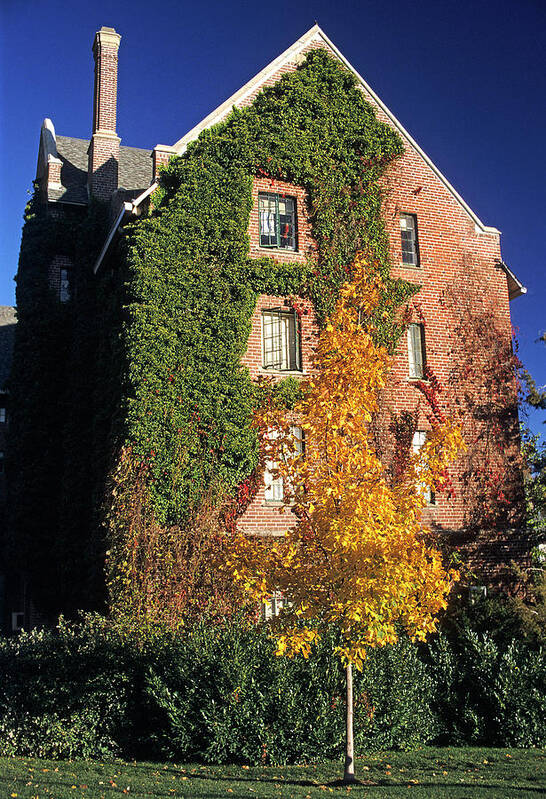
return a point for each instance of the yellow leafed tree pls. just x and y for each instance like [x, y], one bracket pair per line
[358, 557]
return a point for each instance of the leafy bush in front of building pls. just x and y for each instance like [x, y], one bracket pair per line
[66, 692]
[488, 691]
[217, 693]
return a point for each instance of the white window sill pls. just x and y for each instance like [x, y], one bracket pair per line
[282, 372]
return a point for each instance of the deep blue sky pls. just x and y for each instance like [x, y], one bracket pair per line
[467, 78]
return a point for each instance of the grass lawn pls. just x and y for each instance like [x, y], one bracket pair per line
[444, 773]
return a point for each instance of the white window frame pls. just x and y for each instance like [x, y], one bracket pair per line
[416, 351]
[418, 440]
[408, 225]
[281, 347]
[274, 485]
[273, 606]
[65, 287]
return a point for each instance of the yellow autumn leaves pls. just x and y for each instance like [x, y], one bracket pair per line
[357, 557]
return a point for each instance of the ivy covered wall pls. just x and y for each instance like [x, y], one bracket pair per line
[191, 287]
[148, 356]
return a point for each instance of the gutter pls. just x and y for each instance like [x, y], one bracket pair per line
[515, 286]
[126, 208]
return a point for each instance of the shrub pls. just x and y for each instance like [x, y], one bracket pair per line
[65, 692]
[489, 692]
[217, 693]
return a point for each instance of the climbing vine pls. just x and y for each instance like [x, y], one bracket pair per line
[147, 359]
[191, 286]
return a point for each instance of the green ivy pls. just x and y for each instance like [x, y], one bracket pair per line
[191, 287]
[148, 355]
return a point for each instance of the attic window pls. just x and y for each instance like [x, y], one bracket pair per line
[277, 221]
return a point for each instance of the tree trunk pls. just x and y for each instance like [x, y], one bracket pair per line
[349, 775]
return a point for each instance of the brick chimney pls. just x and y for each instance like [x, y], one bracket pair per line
[104, 146]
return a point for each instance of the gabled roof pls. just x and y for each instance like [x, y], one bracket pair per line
[293, 55]
[135, 167]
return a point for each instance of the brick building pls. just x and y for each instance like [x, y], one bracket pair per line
[436, 241]
[7, 335]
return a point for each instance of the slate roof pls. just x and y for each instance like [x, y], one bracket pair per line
[135, 171]
[7, 336]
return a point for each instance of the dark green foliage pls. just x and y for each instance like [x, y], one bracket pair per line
[489, 692]
[51, 446]
[217, 693]
[148, 353]
[226, 697]
[67, 692]
[191, 287]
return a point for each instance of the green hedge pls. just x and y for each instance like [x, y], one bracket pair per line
[218, 694]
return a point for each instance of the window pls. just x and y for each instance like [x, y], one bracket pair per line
[277, 221]
[408, 234]
[419, 438]
[416, 351]
[65, 293]
[274, 484]
[280, 340]
[273, 606]
[3, 414]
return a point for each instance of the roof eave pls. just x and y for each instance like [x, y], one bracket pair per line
[515, 286]
[126, 208]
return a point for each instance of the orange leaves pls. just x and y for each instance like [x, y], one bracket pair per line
[357, 557]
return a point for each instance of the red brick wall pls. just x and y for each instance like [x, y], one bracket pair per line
[457, 268]
[104, 147]
[106, 83]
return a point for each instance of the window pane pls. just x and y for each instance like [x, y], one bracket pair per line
[268, 220]
[272, 337]
[408, 234]
[280, 340]
[64, 285]
[277, 215]
[2, 414]
[273, 483]
[416, 351]
[419, 438]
